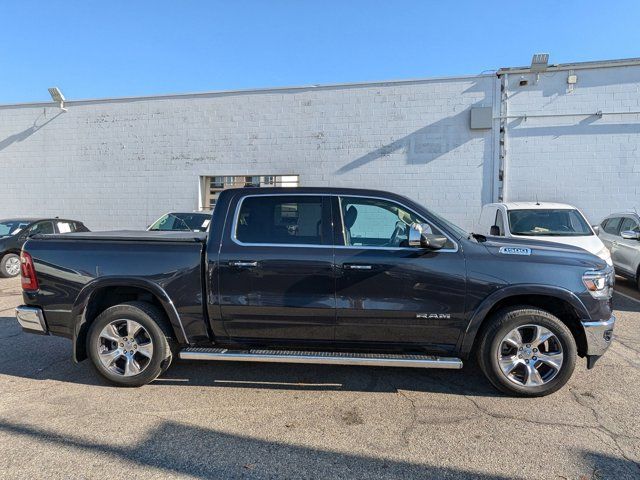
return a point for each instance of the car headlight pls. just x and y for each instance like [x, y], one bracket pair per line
[599, 283]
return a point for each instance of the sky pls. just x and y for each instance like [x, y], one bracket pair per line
[114, 48]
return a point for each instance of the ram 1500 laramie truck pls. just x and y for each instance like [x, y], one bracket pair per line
[321, 275]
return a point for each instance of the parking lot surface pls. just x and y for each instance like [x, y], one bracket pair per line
[228, 420]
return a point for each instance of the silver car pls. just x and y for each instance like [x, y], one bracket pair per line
[620, 233]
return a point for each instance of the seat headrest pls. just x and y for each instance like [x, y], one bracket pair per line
[350, 216]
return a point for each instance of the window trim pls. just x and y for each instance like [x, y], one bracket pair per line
[442, 250]
[236, 216]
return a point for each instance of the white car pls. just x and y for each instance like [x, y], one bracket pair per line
[552, 222]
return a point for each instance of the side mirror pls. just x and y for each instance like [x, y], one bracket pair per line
[418, 237]
[596, 229]
[494, 231]
[630, 235]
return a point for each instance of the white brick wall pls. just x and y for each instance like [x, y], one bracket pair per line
[585, 160]
[122, 163]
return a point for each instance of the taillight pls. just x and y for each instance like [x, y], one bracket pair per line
[28, 272]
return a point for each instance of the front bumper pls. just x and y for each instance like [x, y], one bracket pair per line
[31, 319]
[599, 335]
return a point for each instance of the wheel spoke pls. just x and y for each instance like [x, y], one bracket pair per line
[110, 333]
[541, 335]
[132, 328]
[513, 338]
[533, 376]
[146, 349]
[554, 360]
[131, 367]
[507, 364]
[110, 356]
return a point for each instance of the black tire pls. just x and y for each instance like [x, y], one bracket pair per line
[504, 322]
[4, 272]
[156, 324]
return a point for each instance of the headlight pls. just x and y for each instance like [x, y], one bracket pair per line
[599, 283]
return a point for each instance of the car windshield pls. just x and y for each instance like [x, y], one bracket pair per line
[548, 223]
[197, 222]
[12, 227]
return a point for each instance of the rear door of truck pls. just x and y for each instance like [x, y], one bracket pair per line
[275, 269]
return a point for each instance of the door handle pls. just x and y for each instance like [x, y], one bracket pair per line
[243, 264]
[354, 266]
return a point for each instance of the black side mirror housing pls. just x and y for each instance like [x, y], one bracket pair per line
[494, 231]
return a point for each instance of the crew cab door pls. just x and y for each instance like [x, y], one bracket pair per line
[276, 278]
[387, 292]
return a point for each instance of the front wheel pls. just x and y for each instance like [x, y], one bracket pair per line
[527, 352]
[128, 344]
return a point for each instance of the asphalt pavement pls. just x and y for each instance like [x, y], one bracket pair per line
[241, 420]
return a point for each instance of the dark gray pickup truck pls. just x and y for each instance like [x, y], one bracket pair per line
[321, 275]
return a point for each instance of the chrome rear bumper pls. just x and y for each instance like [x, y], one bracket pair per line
[599, 335]
[31, 318]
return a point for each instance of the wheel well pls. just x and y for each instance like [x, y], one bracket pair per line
[556, 306]
[105, 297]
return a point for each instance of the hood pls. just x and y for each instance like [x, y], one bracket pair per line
[590, 243]
[542, 251]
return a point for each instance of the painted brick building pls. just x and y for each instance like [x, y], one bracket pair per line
[120, 163]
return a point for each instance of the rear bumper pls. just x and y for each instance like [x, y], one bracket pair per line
[599, 335]
[31, 319]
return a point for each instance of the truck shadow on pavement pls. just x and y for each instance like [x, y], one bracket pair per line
[176, 448]
[37, 357]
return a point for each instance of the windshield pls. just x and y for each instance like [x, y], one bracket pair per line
[12, 227]
[548, 222]
[197, 222]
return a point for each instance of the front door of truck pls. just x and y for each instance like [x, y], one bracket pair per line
[276, 274]
[389, 293]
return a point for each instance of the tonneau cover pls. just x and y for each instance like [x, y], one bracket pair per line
[129, 235]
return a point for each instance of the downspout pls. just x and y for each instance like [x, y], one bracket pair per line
[502, 138]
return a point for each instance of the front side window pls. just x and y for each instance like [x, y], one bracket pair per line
[12, 227]
[281, 220]
[370, 222]
[629, 224]
[548, 222]
[611, 225]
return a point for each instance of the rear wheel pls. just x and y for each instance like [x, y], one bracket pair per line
[527, 352]
[129, 344]
[10, 265]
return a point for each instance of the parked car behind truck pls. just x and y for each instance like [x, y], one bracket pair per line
[545, 221]
[312, 275]
[15, 231]
[620, 232]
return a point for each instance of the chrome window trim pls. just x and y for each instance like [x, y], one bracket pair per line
[236, 216]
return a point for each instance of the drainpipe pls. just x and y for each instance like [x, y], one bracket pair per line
[502, 138]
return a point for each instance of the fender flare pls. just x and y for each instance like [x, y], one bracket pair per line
[86, 294]
[488, 303]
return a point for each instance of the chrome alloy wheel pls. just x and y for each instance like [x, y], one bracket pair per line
[13, 266]
[530, 355]
[125, 347]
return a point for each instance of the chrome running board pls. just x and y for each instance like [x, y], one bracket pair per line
[330, 358]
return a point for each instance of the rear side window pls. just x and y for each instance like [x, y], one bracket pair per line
[281, 220]
[65, 227]
[611, 226]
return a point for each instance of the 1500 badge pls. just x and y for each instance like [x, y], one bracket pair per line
[515, 251]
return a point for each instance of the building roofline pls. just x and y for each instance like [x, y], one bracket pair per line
[623, 62]
[250, 91]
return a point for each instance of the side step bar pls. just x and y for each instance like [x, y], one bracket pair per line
[331, 358]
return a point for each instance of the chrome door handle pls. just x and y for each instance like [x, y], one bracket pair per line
[243, 264]
[352, 266]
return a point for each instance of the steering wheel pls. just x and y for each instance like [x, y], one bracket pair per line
[394, 241]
